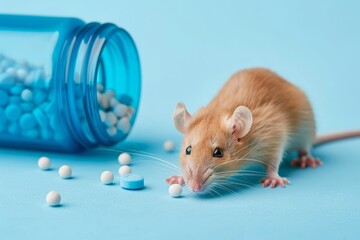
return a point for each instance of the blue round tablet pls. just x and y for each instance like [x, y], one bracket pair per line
[4, 98]
[131, 181]
[13, 112]
[27, 121]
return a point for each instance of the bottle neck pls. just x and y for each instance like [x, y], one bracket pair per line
[93, 55]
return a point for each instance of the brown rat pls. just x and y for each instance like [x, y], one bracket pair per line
[257, 116]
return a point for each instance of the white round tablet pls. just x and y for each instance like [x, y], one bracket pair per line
[175, 190]
[65, 171]
[124, 170]
[107, 177]
[124, 158]
[53, 198]
[44, 163]
[169, 146]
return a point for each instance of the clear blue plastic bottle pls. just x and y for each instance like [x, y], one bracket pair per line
[66, 85]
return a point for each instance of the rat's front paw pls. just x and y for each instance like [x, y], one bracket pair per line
[306, 161]
[175, 179]
[273, 181]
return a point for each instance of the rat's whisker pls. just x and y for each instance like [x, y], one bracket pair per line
[143, 155]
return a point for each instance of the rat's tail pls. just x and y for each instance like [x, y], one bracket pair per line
[320, 140]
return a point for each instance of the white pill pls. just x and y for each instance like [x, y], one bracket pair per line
[21, 73]
[102, 115]
[124, 159]
[105, 102]
[99, 96]
[44, 163]
[124, 170]
[123, 125]
[169, 146]
[26, 95]
[121, 110]
[110, 93]
[53, 198]
[175, 190]
[111, 119]
[131, 111]
[107, 177]
[65, 171]
[11, 71]
[112, 131]
[100, 87]
[113, 102]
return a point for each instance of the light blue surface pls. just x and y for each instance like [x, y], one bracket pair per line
[188, 49]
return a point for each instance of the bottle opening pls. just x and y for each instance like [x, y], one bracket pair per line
[103, 77]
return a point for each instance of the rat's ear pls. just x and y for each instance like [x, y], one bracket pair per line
[181, 117]
[240, 122]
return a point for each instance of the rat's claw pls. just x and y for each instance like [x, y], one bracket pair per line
[175, 179]
[274, 181]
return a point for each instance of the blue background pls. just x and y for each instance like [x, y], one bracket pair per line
[188, 49]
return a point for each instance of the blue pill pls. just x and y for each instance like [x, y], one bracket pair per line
[39, 96]
[16, 89]
[14, 128]
[41, 118]
[6, 81]
[125, 99]
[27, 107]
[13, 112]
[32, 133]
[4, 98]
[27, 121]
[15, 100]
[132, 181]
[46, 134]
[2, 120]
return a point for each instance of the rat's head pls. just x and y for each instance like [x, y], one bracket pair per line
[211, 144]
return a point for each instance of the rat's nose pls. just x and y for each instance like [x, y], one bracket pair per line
[196, 187]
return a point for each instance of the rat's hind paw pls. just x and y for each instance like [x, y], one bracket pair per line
[175, 179]
[273, 181]
[306, 160]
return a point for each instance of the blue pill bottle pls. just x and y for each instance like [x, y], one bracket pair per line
[66, 85]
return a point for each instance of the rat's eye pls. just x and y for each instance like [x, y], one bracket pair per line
[218, 153]
[188, 150]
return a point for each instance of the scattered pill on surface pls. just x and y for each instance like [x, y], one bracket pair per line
[65, 171]
[53, 198]
[175, 190]
[132, 181]
[169, 146]
[44, 163]
[107, 177]
[124, 170]
[124, 159]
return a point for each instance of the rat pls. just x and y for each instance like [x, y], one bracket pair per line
[257, 116]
